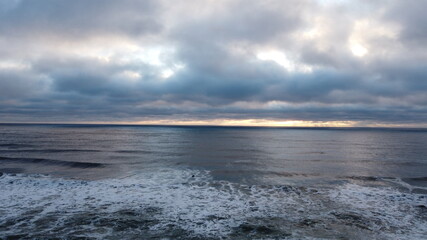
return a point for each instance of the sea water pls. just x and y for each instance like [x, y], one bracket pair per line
[159, 182]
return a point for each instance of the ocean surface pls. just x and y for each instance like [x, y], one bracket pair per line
[159, 182]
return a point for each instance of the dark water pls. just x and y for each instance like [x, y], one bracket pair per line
[136, 182]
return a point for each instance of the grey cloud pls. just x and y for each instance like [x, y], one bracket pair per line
[218, 51]
[242, 21]
[83, 87]
[78, 18]
[20, 84]
[411, 16]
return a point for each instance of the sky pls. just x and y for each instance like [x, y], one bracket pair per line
[221, 62]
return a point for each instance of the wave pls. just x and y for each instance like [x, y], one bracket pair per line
[52, 162]
[15, 145]
[47, 150]
[176, 204]
[362, 178]
[418, 179]
[137, 151]
[373, 161]
[260, 172]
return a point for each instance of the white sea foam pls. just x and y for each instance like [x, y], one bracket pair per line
[185, 200]
[195, 203]
[387, 208]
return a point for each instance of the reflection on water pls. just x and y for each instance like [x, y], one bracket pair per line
[229, 153]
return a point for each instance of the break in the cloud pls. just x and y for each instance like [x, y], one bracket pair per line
[362, 62]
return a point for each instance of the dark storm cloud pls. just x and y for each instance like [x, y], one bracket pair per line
[94, 60]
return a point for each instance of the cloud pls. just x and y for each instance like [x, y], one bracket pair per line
[132, 60]
[78, 18]
[411, 18]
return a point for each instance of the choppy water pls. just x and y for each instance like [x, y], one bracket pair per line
[115, 182]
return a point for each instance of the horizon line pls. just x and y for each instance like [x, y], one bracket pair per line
[213, 125]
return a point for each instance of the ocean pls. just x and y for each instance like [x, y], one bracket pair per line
[185, 182]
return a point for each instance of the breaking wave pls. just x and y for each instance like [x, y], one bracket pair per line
[188, 204]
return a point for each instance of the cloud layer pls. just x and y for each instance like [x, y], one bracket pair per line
[307, 60]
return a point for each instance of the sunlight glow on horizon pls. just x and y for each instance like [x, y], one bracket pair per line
[243, 123]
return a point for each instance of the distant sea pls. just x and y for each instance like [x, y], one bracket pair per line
[170, 182]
